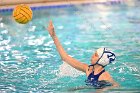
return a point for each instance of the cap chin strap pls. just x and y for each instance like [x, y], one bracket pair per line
[97, 61]
[94, 65]
[100, 58]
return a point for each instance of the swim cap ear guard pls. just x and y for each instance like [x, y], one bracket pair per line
[105, 57]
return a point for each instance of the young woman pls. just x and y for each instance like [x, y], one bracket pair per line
[95, 72]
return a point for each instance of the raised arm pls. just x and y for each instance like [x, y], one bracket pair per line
[65, 57]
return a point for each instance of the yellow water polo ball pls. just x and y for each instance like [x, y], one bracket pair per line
[22, 13]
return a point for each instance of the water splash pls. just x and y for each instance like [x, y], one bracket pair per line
[66, 70]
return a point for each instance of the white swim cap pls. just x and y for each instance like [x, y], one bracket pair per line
[105, 56]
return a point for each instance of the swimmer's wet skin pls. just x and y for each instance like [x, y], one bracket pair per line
[96, 74]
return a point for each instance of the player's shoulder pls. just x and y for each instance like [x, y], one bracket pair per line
[105, 76]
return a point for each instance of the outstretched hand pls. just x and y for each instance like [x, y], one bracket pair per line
[51, 29]
[65, 57]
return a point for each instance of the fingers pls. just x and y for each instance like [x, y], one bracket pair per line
[51, 23]
[50, 26]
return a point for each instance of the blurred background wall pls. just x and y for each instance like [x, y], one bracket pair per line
[14, 2]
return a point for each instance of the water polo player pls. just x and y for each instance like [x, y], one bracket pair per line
[96, 74]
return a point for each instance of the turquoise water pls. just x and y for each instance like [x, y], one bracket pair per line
[29, 61]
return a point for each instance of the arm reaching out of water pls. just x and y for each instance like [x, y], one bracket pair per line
[94, 72]
[65, 57]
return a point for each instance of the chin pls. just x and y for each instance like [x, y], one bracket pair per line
[92, 62]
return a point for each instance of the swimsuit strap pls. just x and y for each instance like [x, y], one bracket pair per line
[96, 77]
[91, 75]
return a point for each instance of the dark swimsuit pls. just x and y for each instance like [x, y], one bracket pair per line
[93, 77]
[92, 80]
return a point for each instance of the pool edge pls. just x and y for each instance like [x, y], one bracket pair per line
[51, 4]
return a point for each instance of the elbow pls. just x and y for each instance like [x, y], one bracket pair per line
[64, 58]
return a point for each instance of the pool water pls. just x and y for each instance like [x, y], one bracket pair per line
[29, 61]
